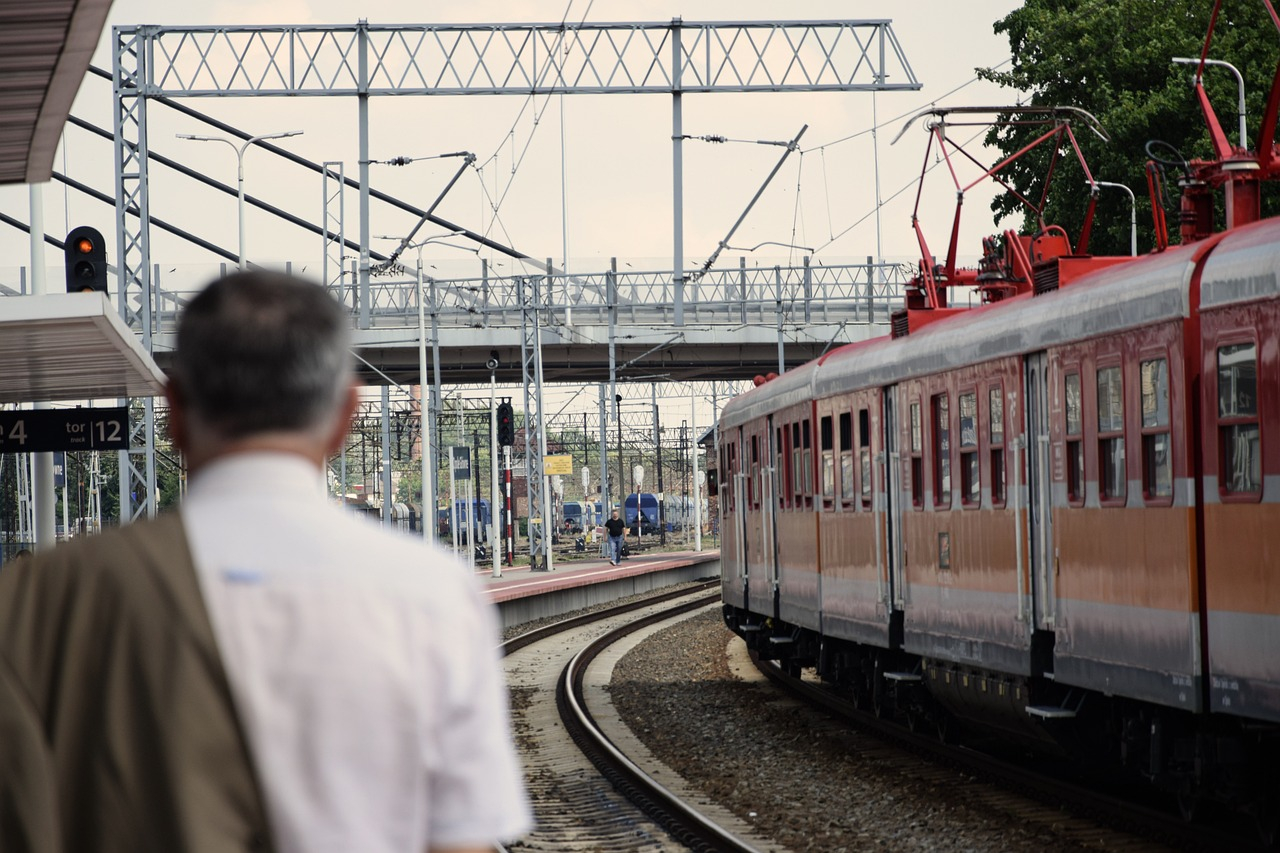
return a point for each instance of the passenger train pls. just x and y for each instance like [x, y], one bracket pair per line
[1055, 515]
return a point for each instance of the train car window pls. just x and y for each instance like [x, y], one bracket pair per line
[1238, 428]
[828, 462]
[1111, 468]
[917, 464]
[807, 458]
[996, 440]
[1075, 441]
[846, 459]
[797, 468]
[733, 469]
[970, 479]
[864, 455]
[1157, 450]
[941, 451]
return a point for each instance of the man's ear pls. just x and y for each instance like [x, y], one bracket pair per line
[343, 423]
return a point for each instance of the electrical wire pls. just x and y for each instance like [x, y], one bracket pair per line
[795, 213]
[903, 115]
[900, 191]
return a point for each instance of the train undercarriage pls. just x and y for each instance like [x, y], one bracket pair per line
[1196, 759]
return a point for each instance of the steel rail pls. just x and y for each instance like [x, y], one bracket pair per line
[686, 824]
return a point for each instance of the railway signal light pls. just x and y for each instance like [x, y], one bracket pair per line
[506, 425]
[86, 256]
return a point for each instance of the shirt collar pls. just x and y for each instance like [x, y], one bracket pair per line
[257, 473]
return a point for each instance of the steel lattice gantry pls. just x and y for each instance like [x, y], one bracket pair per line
[364, 59]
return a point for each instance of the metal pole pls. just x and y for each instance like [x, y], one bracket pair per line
[657, 444]
[424, 423]
[437, 402]
[611, 283]
[362, 122]
[453, 505]
[1133, 214]
[493, 471]
[45, 501]
[693, 470]
[511, 532]
[386, 455]
[605, 502]
[240, 200]
[677, 175]
[782, 361]
[1182, 60]
[471, 518]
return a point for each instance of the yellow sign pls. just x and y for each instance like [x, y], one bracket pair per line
[552, 465]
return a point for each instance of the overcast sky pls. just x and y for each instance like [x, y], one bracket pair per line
[616, 152]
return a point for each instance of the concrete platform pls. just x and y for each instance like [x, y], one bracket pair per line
[522, 595]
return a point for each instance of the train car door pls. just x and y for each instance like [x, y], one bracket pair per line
[769, 508]
[891, 476]
[1039, 505]
[740, 475]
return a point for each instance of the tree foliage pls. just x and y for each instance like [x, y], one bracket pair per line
[1113, 59]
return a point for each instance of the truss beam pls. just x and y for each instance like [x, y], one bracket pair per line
[523, 59]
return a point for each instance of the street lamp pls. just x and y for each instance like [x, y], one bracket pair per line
[240, 168]
[1183, 60]
[1133, 213]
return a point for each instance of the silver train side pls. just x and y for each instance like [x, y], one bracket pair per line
[1056, 517]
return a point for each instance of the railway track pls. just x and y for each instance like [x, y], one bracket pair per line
[587, 794]
[1085, 815]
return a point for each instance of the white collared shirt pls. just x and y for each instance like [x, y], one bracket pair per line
[362, 664]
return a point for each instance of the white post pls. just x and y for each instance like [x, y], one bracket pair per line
[453, 505]
[240, 201]
[471, 521]
[693, 466]
[493, 473]
[45, 501]
[424, 423]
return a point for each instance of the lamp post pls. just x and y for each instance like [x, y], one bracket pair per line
[1183, 60]
[240, 169]
[1133, 214]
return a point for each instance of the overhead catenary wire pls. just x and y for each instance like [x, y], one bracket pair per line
[908, 185]
[901, 116]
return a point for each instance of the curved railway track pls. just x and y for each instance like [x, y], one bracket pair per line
[578, 777]
[1105, 820]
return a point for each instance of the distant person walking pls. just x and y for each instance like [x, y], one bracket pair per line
[616, 528]
[260, 670]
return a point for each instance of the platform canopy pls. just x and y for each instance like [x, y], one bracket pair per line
[45, 47]
[70, 346]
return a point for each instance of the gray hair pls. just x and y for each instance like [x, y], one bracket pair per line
[262, 352]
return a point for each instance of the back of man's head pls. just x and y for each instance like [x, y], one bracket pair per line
[262, 352]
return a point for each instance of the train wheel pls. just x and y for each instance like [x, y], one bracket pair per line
[1268, 825]
[946, 728]
[1189, 802]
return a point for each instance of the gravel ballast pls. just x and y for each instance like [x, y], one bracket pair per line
[795, 775]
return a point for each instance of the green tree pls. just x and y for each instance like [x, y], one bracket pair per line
[1112, 58]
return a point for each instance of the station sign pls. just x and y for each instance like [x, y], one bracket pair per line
[46, 430]
[562, 465]
[460, 457]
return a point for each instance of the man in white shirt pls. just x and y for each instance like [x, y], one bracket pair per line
[360, 672]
